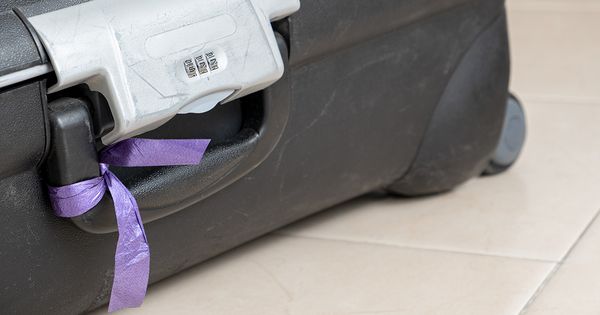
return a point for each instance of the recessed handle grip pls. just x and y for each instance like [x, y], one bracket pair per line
[166, 190]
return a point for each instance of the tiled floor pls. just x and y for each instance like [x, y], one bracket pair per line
[526, 242]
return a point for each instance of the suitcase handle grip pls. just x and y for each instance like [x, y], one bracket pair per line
[167, 190]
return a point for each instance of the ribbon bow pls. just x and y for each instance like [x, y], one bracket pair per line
[132, 257]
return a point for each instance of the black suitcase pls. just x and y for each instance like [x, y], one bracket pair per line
[408, 96]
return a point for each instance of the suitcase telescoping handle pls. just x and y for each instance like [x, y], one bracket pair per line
[161, 192]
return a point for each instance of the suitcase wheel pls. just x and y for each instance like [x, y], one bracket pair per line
[512, 139]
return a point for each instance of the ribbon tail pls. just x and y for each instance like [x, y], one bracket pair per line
[146, 152]
[132, 257]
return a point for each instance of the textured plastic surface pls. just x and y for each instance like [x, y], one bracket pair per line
[23, 129]
[360, 107]
[18, 47]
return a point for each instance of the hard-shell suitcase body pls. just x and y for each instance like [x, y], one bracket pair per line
[404, 95]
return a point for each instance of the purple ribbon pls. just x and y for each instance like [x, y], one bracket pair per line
[132, 257]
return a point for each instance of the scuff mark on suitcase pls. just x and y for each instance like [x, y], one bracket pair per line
[313, 122]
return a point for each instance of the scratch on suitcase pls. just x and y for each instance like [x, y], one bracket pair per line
[284, 146]
[33, 234]
[103, 294]
[323, 112]
[242, 213]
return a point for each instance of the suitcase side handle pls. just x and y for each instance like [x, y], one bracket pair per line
[165, 191]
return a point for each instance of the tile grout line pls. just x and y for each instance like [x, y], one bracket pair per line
[558, 266]
[540, 288]
[413, 248]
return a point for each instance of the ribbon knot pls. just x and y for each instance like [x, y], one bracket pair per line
[132, 257]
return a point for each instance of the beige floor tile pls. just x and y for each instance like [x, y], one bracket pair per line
[555, 48]
[553, 5]
[536, 211]
[282, 275]
[575, 288]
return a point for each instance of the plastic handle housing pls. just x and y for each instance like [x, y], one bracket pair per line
[153, 59]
